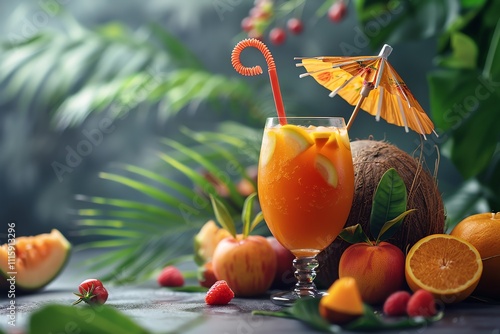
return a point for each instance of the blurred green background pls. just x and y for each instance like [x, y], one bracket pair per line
[138, 71]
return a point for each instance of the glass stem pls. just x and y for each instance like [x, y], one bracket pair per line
[305, 274]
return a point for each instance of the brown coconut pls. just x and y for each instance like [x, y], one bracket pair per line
[371, 160]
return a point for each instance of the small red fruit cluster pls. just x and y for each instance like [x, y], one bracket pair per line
[170, 277]
[219, 294]
[262, 15]
[92, 292]
[260, 18]
[401, 303]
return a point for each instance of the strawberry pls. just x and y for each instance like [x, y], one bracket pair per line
[92, 292]
[170, 276]
[396, 303]
[219, 294]
[422, 304]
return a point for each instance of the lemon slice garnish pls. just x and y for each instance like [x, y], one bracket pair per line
[327, 170]
[344, 138]
[296, 138]
[268, 146]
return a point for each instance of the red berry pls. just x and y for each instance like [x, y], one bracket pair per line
[295, 26]
[337, 11]
[247, 24]
[91, 291]
[422, 304]
[396, 303]
[170, 276]
[277, 36]
[219, 294]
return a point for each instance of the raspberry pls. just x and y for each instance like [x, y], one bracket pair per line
[219, 294]
[422, 304]
[170, 276]
[396, 303]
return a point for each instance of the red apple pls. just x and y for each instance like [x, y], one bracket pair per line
[284, 276]
[248, 265]
[379, 270]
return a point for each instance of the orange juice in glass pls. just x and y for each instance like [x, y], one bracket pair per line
[306, 188]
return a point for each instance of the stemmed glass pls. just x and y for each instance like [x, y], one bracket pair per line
[306, 188]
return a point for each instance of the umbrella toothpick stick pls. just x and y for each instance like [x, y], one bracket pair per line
[365, 91]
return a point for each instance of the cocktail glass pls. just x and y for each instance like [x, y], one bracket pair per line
[306, 188]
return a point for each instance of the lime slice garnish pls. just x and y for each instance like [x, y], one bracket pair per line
[268, 145]
[297, 138]
[327, 170]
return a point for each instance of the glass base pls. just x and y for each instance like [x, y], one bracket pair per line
[305, 288]
[288, 298]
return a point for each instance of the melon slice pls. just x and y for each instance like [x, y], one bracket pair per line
[34, 261]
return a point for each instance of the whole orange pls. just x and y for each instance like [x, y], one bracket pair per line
[482, 231]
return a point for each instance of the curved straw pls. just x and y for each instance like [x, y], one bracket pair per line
[256, 70]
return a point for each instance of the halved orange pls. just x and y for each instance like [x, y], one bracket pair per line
[447, 266]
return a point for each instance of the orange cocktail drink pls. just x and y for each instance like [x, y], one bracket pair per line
[306, 182]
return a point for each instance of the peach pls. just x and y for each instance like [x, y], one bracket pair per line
[248, 265]
[379, 270]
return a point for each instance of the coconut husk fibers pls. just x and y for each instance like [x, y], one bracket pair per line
[371, 160]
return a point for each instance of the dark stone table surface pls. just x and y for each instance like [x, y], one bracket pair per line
[161, 310]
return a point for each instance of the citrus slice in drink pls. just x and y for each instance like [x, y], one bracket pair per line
[268, 146]
[321, 138]
[446, 266]
[327, 170]
[344, 138]
[296, 138]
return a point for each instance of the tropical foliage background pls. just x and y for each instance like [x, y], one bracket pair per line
[130, 124]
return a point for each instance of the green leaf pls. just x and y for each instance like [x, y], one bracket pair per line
[389, 201]
[307, 311]
[400, 21]
[472, 3]
[223, 216]
[391, 226]
[100, 319]
[354, 234]
[256, 221]
[465, 52]
[246, 214]
[492, 64]
[464, 103]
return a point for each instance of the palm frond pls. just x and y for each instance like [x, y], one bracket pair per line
[80, 71]
[142, 235]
